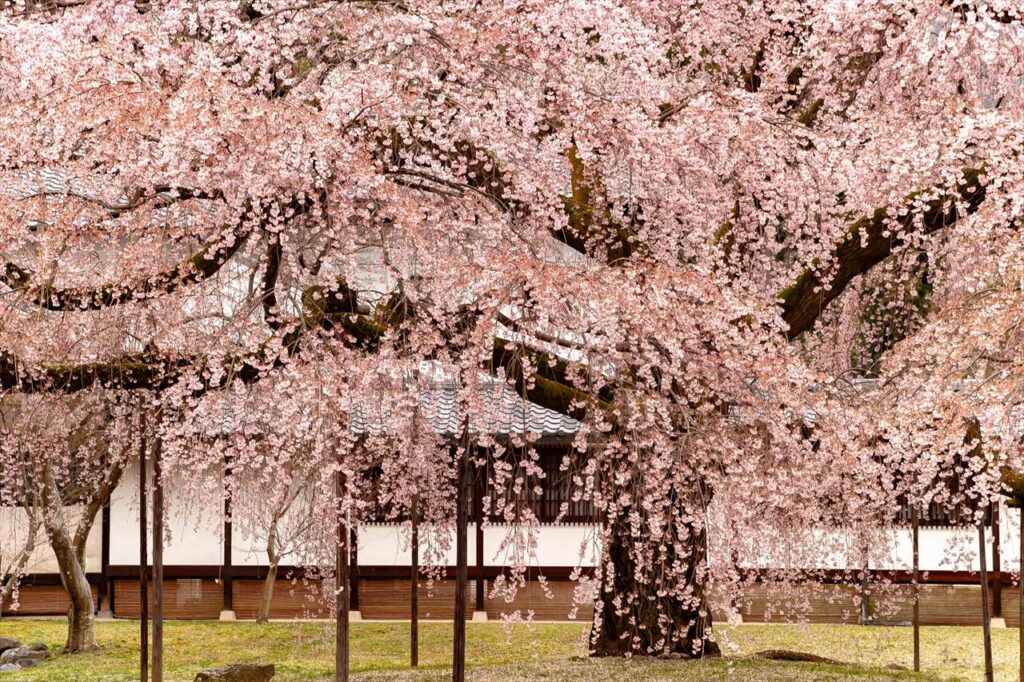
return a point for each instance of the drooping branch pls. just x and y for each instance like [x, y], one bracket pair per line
[196, 268]
[200, 266]
[869, 241]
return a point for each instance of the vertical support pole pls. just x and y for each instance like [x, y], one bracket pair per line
[143, 566]
[986, 624]
[158, 565]
[461, 559]
[1020, 593]
[353, 571]
[915, 540]
[997, 569]
[341, 588]
[105, 603]
[414, 579]
[478, 512]
[226, 570]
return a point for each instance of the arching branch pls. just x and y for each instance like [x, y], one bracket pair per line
[869, 241]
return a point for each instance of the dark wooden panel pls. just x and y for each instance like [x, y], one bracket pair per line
[388, 599]
[292, 599]
[43, 600]
[553, 602]
[184, 598]
[763, 602]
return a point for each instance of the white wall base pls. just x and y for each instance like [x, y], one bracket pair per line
[355, 616]
[997, 623]
[227, 615]
[479, 616]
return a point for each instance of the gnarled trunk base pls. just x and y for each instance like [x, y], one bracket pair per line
[81, 628]
[658, 613]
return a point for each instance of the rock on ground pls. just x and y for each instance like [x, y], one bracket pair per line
[8, 643]
[23, 657]
[239, 672]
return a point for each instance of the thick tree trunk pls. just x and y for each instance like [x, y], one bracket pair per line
[81, 619]
[661, 614]
[70, 555]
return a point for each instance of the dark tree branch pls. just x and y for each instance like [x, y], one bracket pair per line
[869, 241]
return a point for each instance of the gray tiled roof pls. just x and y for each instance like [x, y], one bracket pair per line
[500, 413]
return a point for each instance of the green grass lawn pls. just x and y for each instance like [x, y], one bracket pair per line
[304, 651]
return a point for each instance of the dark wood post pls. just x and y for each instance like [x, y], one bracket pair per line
[414, 580]
[997, 570]
[986, 625]
[226, 571]
[143, 567]
[865, 606]
[915, 540]
[106, 593]
[158, 565]
[1020, 594]
[341, 588]
[461, 560]
[478, 509]
[353, 571]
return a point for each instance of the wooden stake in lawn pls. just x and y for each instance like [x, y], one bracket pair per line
[341, 652]
[986, 625]
[414, 600]
[143, 563]
[158, 565]
[914, 522]
[1020, 593]
[461, 561]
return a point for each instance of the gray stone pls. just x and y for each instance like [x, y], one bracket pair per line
[238, 672]
[32, 652]
[9, 667]
[8, 643]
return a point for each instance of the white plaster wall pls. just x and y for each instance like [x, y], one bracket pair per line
[13, 530]
[196, 539]
[382, 545]
[195, 528]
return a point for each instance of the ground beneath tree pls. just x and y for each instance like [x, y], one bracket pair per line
[303, 651]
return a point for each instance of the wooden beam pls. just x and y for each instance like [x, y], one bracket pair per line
[414, 580]
[986, 624]
[143, 567]
[478, 513]
[341, 587]
[915, 541]
[226, 568]
[158, 564]
[997, 571]
[461, 559]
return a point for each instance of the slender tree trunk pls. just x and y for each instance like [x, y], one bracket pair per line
[461, 568]
[271, 580]
[669, 616]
